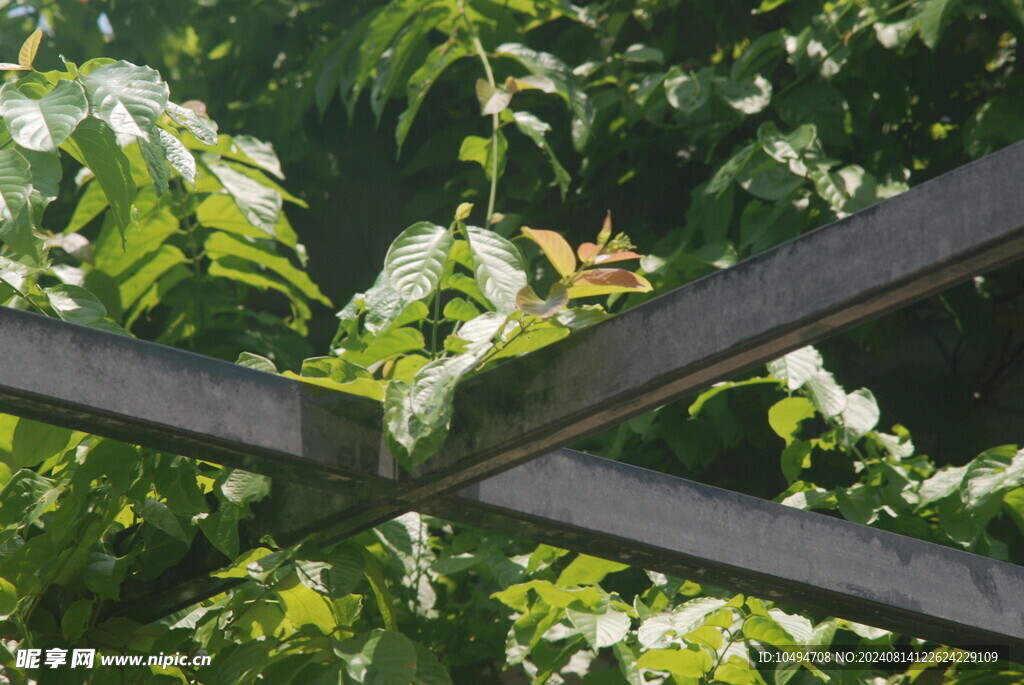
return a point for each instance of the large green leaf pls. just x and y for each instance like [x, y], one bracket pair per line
[45, 123]
[556, 76]
[221, 244]
[423, 79]
[415, 261]
[599, 629]
[15, 186]
[127, 97]
[260, 205]
[34, 442]
[797, 367]
[94, 145]
[498, 267]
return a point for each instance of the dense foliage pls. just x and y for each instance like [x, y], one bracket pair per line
[711, 131]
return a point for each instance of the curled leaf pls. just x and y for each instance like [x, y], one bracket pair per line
[530, 303]
[557, 250]
[607, 281]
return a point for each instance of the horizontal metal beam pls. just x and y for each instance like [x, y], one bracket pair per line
[726, 539]
[185, 403]
[655, 521]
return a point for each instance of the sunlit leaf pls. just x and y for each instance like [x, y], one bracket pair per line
[415, 261]
[201, 127]
[498, 267]
[605, 281]
[555, 248]
[128, 98]
[43, 124]
[27, 53]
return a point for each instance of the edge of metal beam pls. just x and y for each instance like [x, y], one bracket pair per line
[726, 539]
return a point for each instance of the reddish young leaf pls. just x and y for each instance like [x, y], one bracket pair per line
[588, 251]
[606, 281]
[558, 252]
[616, 257]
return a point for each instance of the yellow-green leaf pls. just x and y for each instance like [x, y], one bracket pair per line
[555, 248]
[27, 54]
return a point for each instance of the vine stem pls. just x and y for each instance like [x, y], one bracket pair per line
[479, 47]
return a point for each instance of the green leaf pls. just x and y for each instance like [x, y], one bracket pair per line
[498, 267]
[8, 598]
[45, 123]
[534, 339]
[827, 395]
[683, 663]
[76, 619]
[27, 53]
[599, 630]
[860, 415]
[15, 185]
[737, 671]
[154, 154]
[221, 528]
[767, 630]
[243, 487]
[379, 658]
[458, 309]
[201, 127]
[259, 204]
[128, 98]
[536, 130]
[220, 245]
[423, 79]
[178, 155]
[492, 99]
[95, 147]
[797, 367]
[104, 573]
[786, 415]
[303, 606]
[587, 570]
[255, 361]
[795, 458]
[35, 442]
[687, 92]
[749, 95]
[481, 151]
[415, 261]
[991, 473]
[562, 81]
[77, 305]
[934, 17]
[252, 151]
[159, 516]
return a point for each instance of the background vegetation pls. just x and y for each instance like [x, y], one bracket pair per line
[711, 130]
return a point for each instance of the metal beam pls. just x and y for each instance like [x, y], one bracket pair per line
[709, 535]
[940, 233]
